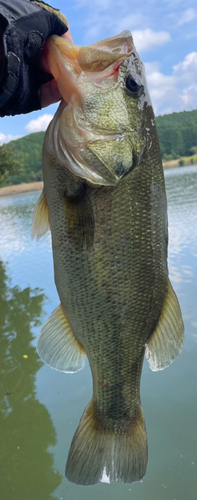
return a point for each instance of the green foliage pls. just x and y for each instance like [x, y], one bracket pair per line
[193, 150]
[181, 163]
[11, 162]
[171, 157]
[177, 133]
[29, 148]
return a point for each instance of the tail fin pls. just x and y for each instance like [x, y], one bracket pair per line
[98, 454]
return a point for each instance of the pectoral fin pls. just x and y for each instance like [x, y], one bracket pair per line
[167, 340]
[40, 223]
[57, 345]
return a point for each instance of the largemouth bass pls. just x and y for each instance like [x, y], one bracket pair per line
[104, 198]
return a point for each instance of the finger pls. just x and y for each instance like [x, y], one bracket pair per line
[68, 36]
[49, 94]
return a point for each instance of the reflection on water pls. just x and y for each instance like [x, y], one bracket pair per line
[42, 400]
[182, 215]
[25, 424]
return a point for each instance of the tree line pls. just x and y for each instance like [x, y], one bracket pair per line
[21, 160]
[177, 134]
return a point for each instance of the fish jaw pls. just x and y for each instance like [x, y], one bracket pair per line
[62, 64]
[67, 61]
[99, 137]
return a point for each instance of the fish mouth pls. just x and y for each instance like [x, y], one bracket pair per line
[90, 150]
[99, 60]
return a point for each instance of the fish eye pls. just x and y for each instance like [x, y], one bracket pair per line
[133, 88]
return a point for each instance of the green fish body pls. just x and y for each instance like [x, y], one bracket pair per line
[104, 197]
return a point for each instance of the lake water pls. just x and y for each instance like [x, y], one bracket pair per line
[41, 408]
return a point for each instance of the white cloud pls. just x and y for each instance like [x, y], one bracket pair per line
[189, 97]
[146, 39]
[130, 22]
[108, 18]
[187, 16]
[41, 123]
[161, 88]
[175, 92]
[7, 138]
[186, 70]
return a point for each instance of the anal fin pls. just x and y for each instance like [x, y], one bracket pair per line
[57, 345]
[166, 342]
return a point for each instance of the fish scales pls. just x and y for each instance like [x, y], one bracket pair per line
[109, 239]
[107, 284]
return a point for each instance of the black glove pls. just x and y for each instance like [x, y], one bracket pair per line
[24, 27]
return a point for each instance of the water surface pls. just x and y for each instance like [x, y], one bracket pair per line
[40, 408]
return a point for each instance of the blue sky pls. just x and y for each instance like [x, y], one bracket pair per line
[165, 36]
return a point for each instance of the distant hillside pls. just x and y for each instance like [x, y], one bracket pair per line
[30, 149]
[32, 145]
[177, 135]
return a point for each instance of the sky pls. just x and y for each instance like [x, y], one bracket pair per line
[165, 36]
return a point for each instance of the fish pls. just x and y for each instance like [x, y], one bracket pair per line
[104, 201]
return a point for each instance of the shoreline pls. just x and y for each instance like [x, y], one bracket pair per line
[15, 189]
[175, 163]
[32, 187]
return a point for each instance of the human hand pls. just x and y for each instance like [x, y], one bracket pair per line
[24, 27]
